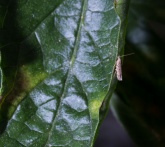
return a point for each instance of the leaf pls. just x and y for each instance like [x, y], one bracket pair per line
[57, 60]
[153, 10]
[137, 129]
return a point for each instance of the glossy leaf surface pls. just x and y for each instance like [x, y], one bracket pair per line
[57, 60]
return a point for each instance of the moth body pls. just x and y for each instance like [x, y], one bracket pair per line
[118, 69]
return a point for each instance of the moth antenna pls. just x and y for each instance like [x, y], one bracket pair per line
[126, 55]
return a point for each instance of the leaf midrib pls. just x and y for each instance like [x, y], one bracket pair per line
[72, 61]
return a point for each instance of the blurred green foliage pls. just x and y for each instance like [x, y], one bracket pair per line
[141, 101]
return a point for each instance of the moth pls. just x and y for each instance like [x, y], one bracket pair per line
[118, 68]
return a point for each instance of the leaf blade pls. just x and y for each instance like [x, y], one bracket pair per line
[67, 77]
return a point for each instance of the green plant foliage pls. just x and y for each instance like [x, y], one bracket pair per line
[57, 60]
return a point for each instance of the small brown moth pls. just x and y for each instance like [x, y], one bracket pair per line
[118, 67]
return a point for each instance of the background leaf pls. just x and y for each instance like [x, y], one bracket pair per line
[140, 106]
[58, 60]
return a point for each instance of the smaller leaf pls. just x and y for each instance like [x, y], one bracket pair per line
[136, 128]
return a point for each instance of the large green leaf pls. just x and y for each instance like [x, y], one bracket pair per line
[57, 61]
